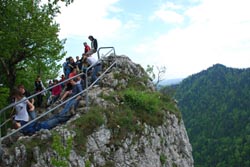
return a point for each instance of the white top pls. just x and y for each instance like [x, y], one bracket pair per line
[91, 60]
[21, 111]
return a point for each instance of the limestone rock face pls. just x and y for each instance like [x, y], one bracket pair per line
[166, 145]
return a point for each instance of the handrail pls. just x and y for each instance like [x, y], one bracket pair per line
[52, 109]
[42, 115]
[13, 104]
[111, 49]
[38, 93]
[98, 78]
[86, 74]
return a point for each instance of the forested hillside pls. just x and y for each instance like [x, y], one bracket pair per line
[215, 106]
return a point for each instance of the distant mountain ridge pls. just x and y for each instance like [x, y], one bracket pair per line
[215, 106]
[167, 82]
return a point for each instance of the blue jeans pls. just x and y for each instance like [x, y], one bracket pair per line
[30, 129]
[95, 71]
[68, 106]
[32, 114]
[53, 121]
[59, 118]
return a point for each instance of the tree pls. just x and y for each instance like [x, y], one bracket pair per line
[216, 110]
[161, 71]
[29, 38]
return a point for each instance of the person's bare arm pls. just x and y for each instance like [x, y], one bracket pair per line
[32, 101]
[31, 106]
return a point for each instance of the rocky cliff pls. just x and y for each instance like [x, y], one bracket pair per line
[128, 123]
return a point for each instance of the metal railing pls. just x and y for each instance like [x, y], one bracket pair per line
[87, 87]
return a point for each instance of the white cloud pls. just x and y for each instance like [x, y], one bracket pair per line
[131, 25]
[141, 48]
[222, 11]
[83, 17]
[168, 16]
[218, 33]
[171, 5]
[169, 13]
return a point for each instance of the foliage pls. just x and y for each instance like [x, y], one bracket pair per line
[121, 121]
[149, 107]
[137, 83]
[216, 111]
[161, 71]
[150, 71]
[163, 159]
[29, 38]
[169, 90]
[62, 151]
[5, 100]
[147, 102]
[4, 96]
[135, 109]
[87, 163]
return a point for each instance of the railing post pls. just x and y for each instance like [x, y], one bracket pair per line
[86, 87]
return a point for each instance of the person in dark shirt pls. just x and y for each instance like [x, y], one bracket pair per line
[78, 63]
[94, 46]
[72, 64]
[38, 88]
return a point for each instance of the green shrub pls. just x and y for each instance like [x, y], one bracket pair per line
[147, 101]
[163, 159]
[62, 151]
[121, 121]
[135, 108]
[139, 84]
[87, 163]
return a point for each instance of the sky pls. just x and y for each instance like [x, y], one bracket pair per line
[185, 36]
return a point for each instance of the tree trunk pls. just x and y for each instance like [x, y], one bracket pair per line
[9, 71]
[11, 78]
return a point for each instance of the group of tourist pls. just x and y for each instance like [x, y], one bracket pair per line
[25, 110]
[81, 64]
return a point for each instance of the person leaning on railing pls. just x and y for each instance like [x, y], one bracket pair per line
[27, 94]
[96, 68]
[21, 116]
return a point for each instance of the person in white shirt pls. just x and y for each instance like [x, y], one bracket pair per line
[21, 117]
[27, 94]
[96, 68]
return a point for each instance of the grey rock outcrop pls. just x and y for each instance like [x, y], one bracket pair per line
[166, 145]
